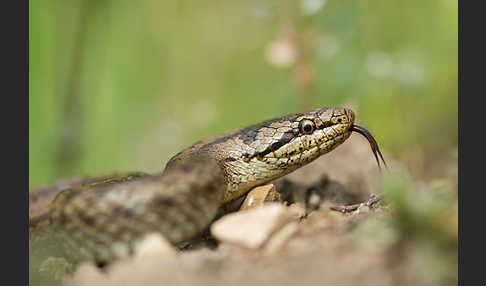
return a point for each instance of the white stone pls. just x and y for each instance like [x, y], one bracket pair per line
[251, 228]
[280, 238]
[154, 245]
[259, 196]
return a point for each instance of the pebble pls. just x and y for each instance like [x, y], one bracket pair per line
[251, 228]
[154, 245]
[280, 239]
[260, 195]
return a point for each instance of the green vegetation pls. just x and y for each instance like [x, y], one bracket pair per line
[124, 85]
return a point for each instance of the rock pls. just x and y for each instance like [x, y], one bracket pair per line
[260, 195]
[154, 245]
[280, 238]
[251, 228]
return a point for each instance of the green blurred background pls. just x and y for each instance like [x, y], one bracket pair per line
[123, 85]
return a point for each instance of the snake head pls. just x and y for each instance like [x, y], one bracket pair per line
[297, 139]
[324, 129]
[342, 120]
[294, 140]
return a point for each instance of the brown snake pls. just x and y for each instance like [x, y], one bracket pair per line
[104, 217]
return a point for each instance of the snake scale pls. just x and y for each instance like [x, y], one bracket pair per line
[104, 217]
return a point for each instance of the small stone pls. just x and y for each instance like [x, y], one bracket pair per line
[251, 228]
[280, 238]
[260, 195]
[154, 245]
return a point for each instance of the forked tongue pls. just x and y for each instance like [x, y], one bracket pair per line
[373, 144]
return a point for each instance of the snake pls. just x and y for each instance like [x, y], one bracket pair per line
[104, 217]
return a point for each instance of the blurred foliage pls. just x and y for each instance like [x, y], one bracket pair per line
[421, 237]
[123, 85]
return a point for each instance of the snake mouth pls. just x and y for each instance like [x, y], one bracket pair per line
[372, 141]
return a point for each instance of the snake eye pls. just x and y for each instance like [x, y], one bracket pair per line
[307, 126]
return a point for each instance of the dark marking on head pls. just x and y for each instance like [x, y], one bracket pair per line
[246, 157]
[269, 149]
[287, 136]
[276, 145]
[230, 159]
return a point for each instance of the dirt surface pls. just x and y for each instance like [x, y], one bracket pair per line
[309, 244]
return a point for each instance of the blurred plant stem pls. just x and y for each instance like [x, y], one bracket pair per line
[295, 36]
[305, 77]
[304, 73]
[69, 151]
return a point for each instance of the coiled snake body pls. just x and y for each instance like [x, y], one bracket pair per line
[103, 219]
